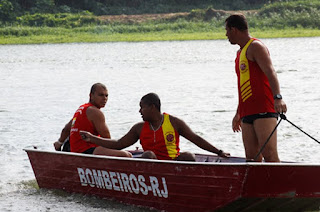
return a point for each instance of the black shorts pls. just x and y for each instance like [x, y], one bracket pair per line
[251, 118]
[89, 151]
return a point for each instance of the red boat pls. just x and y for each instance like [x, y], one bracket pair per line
[209, 184]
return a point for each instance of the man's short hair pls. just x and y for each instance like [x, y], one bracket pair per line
[238, 21]
[94, 87]
[152, 99]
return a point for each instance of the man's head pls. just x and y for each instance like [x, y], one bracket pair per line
[149, 104]
[233, 24]
[98, 95]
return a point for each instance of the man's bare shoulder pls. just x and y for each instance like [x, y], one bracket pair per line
[257, 45]
[176, 122]
[257, 48]
[138, 126]
[94, 109]
[174, 118]
[94, 112]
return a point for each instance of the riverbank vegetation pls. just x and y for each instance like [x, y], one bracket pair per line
[58, 21]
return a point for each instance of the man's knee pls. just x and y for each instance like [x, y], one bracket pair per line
[149, 155]
[121, 153]
[127, 154]
[186, 156]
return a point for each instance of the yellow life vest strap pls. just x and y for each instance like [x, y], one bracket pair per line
[245, 86]
[169, 136]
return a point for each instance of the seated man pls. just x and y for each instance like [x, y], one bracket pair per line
[158, 134]
[89, 117]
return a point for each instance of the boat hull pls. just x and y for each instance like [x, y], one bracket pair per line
[178, 186]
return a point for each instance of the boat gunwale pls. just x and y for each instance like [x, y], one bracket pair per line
[221, 163]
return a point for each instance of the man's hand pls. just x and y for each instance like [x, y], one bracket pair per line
[280, 106]
[223, 154]
[236, 123]
[85, 135]
[57, 145]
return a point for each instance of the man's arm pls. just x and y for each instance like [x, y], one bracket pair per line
[98, 120]
[236, 122]
[258, 52]
[185, 131]
[127, 140]
[64, 134]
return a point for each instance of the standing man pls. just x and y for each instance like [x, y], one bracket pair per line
[89, 117]
[158, 134]
[260, 100]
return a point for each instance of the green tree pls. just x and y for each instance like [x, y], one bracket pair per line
[6, 9]
[44, 6]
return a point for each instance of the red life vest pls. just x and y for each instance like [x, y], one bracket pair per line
[80, 122]
[164, 142]
[254, 91]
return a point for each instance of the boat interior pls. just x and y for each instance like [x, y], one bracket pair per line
[202, 158]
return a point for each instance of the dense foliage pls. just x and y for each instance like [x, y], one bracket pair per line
[67, 20]
[71, 18]
[113, 7]
[294, 13]
[299, 13]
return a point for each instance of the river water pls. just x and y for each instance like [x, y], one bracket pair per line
[41, 86]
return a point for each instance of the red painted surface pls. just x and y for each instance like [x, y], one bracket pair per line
[288, 180]
[172, 186]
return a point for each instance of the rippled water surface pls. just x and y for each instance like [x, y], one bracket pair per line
[41, 86]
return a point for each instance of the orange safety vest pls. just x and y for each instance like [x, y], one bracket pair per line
[164, 142]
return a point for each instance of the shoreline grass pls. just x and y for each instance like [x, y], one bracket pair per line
[275, 20]
[66, 36]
